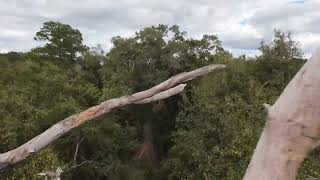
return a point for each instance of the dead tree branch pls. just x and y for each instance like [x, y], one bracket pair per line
[164, 90]
[293, 127]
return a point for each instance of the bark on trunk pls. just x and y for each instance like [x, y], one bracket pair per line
[147, 153]
[292, 129]
[164, 90]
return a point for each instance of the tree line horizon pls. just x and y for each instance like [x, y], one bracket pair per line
[207, 132]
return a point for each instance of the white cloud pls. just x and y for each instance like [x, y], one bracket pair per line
[13, 34]
[240, 24]
[298, 16]
[4, 50]
[309, 41]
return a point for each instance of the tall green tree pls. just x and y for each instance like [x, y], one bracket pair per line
[220, 122]
[146, 59]
[282, 47]
[279, 60]
[63, 42]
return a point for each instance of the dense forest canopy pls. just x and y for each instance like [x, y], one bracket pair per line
[207, 132]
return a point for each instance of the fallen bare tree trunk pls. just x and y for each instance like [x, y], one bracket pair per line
[292, 129]
[164, 90]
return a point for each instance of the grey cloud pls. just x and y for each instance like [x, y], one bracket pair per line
[302, 19]
[99, 20]
[294, 17]
[243, 43]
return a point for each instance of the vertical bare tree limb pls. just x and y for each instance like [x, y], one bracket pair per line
[163, 90]
[76, 151]
[292, 129]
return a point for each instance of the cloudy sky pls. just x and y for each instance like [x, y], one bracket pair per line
[239, 24]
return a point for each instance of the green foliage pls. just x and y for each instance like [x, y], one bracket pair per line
[62, 42]
[207, 132]
[219, 126]
[33, 96]
[311, 167]
[46, 160]
[220, 122]
[282, 47]
[137, 63]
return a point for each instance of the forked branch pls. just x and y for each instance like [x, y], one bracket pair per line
[164, 90]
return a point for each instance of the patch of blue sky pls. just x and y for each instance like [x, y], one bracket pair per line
[298, 1]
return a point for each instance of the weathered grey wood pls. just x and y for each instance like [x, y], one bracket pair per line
[292, 128]
[163, 95]
[161, 91]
